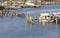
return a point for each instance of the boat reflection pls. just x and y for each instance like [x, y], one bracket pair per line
[44, 24]
[30, 24]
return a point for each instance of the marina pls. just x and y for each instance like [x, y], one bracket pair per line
[24, 22]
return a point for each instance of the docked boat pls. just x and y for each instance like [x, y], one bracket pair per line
[57, 17]
[57, 14]
[46, 17]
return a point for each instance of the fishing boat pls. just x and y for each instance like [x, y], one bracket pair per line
[46, 17]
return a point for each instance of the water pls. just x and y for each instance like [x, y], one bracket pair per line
[17, 27]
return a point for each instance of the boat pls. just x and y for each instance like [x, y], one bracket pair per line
[30, 20]
[46, 17]
[57, 17]
[29, 3]
[20, 14]
[57, 14]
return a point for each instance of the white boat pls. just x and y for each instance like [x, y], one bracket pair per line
[29, 3]
[57, 17]
[30, 20]
[57, 14]
[46, 17]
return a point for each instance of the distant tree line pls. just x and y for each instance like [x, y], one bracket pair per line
[49, 0]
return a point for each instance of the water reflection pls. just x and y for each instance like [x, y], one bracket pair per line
[58, 30]
[30, 25]
[1, 17]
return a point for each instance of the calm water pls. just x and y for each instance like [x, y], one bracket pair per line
[17, 27]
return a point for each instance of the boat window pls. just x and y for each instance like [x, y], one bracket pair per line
[48, 16]
[45, 17]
